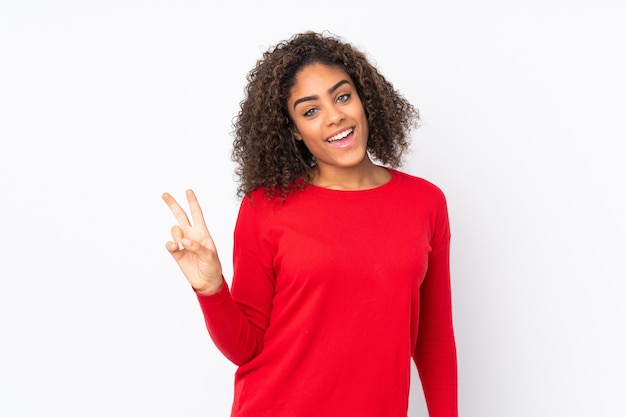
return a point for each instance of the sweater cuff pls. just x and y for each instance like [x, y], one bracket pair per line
[219, 296]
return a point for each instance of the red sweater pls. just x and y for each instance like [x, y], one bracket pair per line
[333, 293]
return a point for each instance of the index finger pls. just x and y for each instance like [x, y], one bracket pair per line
[176, 209]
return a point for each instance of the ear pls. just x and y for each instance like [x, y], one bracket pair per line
[296, 133]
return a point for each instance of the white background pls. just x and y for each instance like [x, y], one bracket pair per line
[104, 105]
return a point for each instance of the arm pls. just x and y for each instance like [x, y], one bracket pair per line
[237, 317]
[236, 329]
[435, 352]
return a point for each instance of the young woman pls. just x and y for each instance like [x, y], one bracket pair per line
[341, 265]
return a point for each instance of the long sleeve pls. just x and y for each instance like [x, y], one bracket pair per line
[435, 353]
[237, 317]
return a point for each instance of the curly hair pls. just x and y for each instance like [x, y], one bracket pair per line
[264, 148]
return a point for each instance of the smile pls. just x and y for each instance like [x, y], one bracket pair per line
[340, 135]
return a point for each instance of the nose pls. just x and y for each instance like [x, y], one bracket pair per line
[335, 115]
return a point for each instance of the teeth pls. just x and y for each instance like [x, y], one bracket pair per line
[340, 135]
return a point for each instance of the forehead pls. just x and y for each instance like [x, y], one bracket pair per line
[318, 77]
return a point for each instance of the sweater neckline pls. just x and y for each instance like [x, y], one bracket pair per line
[329, 192]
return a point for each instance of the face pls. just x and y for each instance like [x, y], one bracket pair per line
[329, 117]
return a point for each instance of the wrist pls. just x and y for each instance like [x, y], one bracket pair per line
[210, 288]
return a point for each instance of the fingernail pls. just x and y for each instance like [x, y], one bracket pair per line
[186, 242]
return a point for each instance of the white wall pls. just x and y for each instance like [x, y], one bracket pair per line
[106, 104]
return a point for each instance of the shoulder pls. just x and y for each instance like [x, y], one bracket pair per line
[418, 186]
[264, 215]
[254, 214]
[260, 203]
[255, 201]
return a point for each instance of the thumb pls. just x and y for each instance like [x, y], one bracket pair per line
[202, 252]
[208, 268]
[191, 246]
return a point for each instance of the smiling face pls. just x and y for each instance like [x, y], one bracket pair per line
[329, 118]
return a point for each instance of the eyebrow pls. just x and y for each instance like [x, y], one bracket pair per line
[330, 91]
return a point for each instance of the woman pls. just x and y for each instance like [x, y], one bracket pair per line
[341, 265]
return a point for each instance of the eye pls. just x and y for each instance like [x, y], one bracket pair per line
[343, 98]
[310, 112]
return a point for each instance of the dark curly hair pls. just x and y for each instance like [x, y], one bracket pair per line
[264, 148]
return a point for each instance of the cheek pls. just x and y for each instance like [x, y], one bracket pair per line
[309, 129]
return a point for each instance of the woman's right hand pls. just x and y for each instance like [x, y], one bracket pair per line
[192, 247]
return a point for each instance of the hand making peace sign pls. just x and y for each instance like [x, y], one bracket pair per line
[192, 247]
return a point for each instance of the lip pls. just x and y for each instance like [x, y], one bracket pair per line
[345, 142]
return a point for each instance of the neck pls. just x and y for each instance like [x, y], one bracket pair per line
[364, 176]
